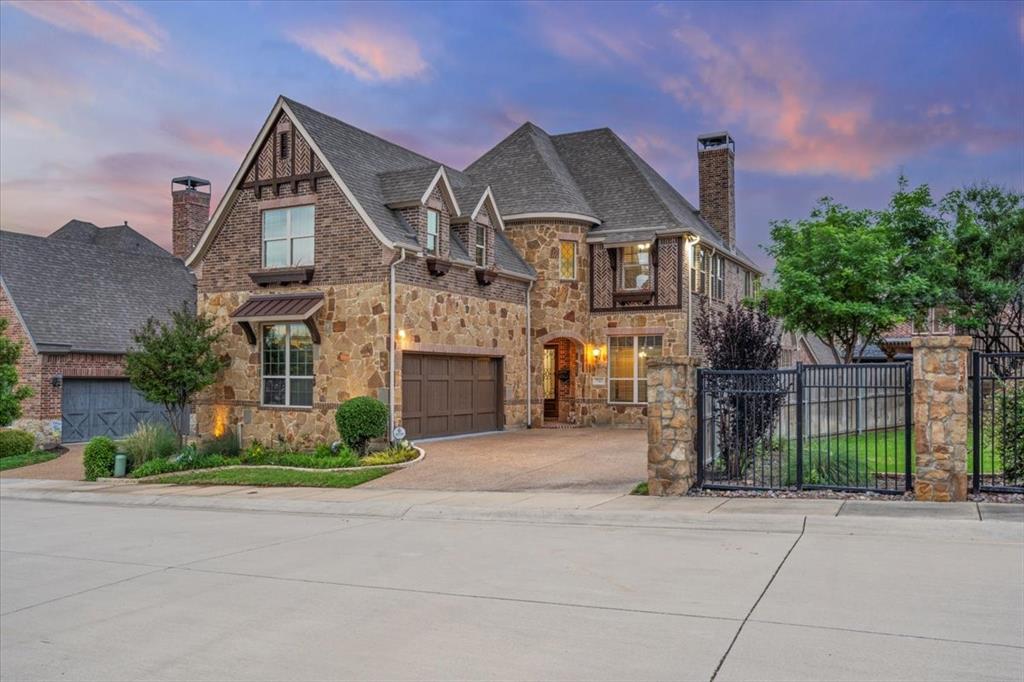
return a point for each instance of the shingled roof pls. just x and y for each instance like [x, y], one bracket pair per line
[87, 297]
[117, 237]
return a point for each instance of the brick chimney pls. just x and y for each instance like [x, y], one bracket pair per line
[716, 160]
[190, 210]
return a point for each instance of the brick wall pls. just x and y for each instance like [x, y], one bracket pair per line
[30, 364]
[190, 211]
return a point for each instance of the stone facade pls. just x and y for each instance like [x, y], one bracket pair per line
[453, 313]
[941, 417]
[671, 426]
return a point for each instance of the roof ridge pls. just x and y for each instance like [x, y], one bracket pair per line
[291, 101]
[587, 130]
[523, 128]
[96, 248]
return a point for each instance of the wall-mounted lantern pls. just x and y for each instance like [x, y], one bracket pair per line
[57, 380]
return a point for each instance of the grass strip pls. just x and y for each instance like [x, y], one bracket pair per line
[28, 458]
[273, 478]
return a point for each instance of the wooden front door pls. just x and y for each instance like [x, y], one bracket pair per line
[551, 382]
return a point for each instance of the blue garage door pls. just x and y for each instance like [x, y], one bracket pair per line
[104, 407]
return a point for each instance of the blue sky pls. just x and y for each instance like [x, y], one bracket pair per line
[102, 103]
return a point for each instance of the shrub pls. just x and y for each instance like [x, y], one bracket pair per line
[14, 442]
[149, 441]
[192, 460]
[99, 458]
[395, 455]
[361, 419]
[226, 444]
[344, 458]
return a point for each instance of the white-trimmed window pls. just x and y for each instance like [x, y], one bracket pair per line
[433, 228]
[718, 278]
[288, 237]
[627, 367]
[635, 269]
[567, 260]
[700, 265]
[287, 364]
[481, 245]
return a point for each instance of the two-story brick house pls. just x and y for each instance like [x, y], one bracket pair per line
[528, 289]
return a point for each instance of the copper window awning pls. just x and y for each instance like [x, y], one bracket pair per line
[291, 308]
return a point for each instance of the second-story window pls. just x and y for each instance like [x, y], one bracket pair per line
[288, 237]
[567, 260]
[433, 228]
[700, 265]
[481, 245]
[718, 278]
[636, 266]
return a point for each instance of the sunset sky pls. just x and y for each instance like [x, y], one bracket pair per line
[101, 104]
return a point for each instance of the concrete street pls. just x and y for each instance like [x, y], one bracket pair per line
[153, 582]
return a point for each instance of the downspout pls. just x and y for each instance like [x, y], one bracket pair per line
[529, 362]
[691, 242]
[393, 345]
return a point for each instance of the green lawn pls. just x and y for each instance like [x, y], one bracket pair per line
[272, 477]
[853, 459]
[34, 457]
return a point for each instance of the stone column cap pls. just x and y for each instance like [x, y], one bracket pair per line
[941, 341]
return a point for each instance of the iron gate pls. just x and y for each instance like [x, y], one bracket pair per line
[997, 422]
[840, 427]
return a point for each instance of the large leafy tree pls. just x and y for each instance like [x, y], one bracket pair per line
[170, 363]
[986, 233]
[11, 395]
[838, 276]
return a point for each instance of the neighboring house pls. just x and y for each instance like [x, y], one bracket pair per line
[73, 298]
[530, 288]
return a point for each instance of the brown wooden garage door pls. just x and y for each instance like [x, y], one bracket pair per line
[445, 395]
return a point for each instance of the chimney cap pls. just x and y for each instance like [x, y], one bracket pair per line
[190, 182]
[714, 140]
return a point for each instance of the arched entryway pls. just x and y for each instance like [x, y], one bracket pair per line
[560, 368]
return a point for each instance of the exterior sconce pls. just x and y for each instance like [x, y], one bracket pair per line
[57, 380]
[401, 335]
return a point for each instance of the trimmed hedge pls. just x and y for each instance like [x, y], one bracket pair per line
[361, 419]
[14, 442]
[99, 458]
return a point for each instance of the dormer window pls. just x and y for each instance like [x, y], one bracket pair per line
[433, 227]
[636, 267]
[481, 246]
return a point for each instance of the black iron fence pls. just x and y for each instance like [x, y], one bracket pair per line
[997, 422]
[844, 427]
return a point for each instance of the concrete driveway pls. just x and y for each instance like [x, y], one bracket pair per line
[586, 459]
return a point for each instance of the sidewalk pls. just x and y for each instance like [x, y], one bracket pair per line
[786, 515]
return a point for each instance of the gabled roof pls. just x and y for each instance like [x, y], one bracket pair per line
[527, 175]
[77, 296]
[373, 173]
[116, 237]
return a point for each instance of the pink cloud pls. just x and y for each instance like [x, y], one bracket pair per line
[116, 23]
[799, 125]
[368, 52]
[203, 140]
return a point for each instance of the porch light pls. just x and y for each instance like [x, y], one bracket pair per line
[401, 334]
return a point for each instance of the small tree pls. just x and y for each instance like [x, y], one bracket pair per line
[837, 277]
[11, 395]
[170, 363]
[987, 238]
[747, 405]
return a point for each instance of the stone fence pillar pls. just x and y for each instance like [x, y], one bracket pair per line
[671, 425]
[941, 417]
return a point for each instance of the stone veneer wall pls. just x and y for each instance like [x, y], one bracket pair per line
[941, 417]
[444, 322]
[671, 426]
